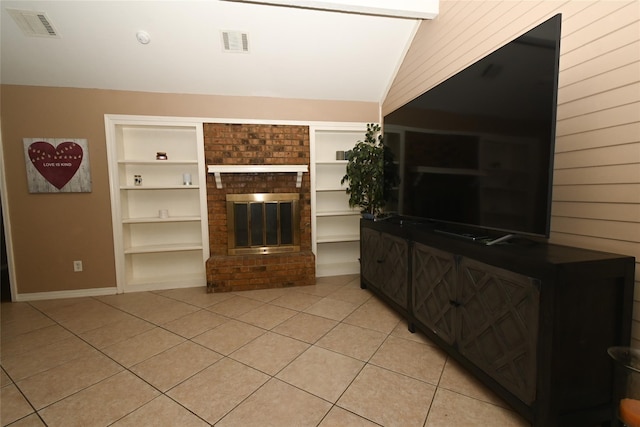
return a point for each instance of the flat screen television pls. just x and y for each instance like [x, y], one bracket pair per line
[477, 149]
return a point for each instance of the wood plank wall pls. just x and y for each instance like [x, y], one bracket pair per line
[596, 194]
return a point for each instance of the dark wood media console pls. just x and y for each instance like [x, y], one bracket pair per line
[531, 320]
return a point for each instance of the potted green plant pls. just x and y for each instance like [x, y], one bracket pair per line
[369, 174]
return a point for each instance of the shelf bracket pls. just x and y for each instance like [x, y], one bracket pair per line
[218, 178]
[218, 170]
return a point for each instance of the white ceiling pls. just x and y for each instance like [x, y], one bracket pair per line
[293, 52]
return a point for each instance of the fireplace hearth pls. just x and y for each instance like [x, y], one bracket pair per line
[259, 205]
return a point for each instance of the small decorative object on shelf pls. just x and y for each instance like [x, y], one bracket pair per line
[163, 213]
[161, 155]
[186, 179]
[339, 155]
[137, 179]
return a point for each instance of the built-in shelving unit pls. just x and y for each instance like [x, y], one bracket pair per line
[160, 222]
[335, 226]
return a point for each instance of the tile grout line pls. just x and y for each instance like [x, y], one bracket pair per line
[271, 302]
[124, 368]
[161, 326]
[311, 345]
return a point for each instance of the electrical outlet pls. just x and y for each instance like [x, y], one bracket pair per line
[77, 266]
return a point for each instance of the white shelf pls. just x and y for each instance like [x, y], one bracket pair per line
[164, 270]
[157, 162]
[332, 162]
[159, 220]
[326, 189]
[151, 283]
[338, 213]
[178, 247]
[338, 258]
[159, 187]
[153, 252]
[337, 269]
[338, 238]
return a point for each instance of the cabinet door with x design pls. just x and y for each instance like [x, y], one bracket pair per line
[434, 294]
[384, 265]
[489, 314]
[498, 324]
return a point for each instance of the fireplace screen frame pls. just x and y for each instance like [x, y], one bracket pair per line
[263, 247]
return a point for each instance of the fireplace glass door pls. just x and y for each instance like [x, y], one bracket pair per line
[263, 223]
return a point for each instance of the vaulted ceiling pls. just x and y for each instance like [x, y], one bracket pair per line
[292, 52]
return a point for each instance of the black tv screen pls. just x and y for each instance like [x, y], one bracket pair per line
[477, 150]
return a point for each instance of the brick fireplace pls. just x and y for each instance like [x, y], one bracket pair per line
[260, 145]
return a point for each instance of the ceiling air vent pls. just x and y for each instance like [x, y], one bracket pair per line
[33, 24]
[235, 41]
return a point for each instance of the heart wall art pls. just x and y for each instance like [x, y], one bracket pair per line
[57, 165]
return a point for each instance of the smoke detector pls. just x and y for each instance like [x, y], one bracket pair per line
[143, 37]
[33, 24]
[235, 41]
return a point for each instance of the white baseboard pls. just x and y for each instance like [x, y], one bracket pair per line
[36, 296]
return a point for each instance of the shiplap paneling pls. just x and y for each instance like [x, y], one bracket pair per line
[616, 155]
[590, 27]
[605, 245]
[624, 212]
[423, 55]
[464, 32]
[624, 75]
[602, 244]
[624, 134]
[604, 229]
[596, 194]
[608, 99]
[616, 39]
[627, 53]
[614, 193]
[614, 174]
[606, 118]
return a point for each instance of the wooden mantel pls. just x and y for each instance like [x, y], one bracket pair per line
[220, 169]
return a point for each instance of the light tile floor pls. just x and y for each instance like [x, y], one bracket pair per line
[331, 354]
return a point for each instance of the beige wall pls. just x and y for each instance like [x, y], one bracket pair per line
[596, 195]
[49, 231]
